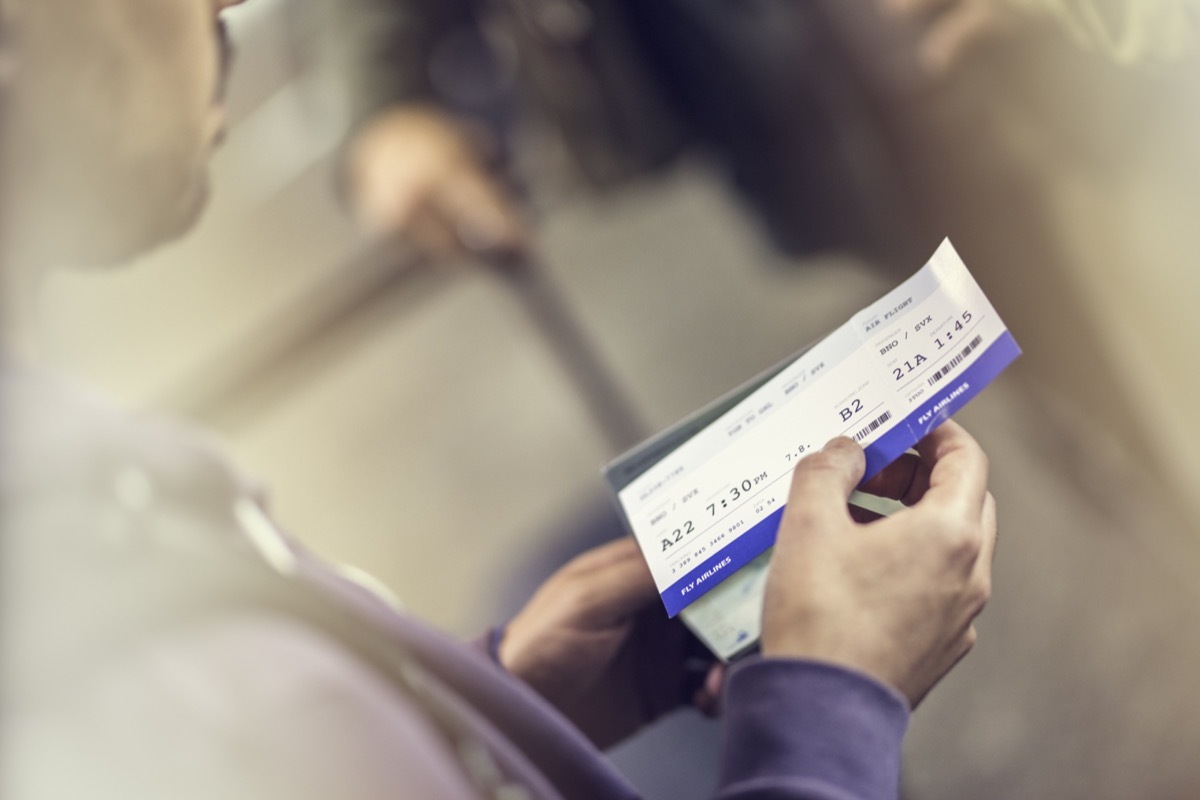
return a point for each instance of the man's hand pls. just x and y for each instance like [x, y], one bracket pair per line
[894, 598]
[955, 27]
[596, 642]
[414, 172]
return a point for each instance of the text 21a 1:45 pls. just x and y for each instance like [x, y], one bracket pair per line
[941, 340]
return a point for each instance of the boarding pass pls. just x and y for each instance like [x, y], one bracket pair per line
[704, 498]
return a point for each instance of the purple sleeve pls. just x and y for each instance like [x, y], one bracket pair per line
[488, 644]
[801, 729]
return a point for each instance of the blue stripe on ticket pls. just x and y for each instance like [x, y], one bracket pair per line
[957, 391]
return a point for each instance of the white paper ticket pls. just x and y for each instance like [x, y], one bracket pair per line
[705, 499]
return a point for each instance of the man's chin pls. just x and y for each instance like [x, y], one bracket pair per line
[190, 212]
[151, 230]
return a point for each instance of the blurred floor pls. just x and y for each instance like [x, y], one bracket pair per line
[432, 442]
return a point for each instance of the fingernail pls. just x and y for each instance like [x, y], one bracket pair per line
[839, 441]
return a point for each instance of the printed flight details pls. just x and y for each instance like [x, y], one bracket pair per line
[890, 375]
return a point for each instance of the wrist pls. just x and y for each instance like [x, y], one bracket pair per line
[794, 719]
[492, 645]
[856, 661]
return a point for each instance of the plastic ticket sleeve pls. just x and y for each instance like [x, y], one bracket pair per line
[705, 498]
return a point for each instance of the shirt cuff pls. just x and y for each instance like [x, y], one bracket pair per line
[803, 722]
[488, 644]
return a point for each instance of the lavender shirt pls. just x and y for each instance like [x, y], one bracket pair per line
[135, 665]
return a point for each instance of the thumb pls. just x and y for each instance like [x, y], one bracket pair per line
[821, 487]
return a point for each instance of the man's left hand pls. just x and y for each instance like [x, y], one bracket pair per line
[595, 641]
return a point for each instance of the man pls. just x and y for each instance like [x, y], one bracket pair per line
[164, 639]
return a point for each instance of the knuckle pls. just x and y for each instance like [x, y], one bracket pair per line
[985, 588]
[969, 638]
[578, 566]
[989, 509]
[963, 540]
[978, 595]
[942, 519]
[967, 545]
[575, 594]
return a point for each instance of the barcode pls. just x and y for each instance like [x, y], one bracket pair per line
[874, 426]
[954, 362]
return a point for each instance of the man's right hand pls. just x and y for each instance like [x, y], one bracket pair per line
[414, 172]
[894, 598]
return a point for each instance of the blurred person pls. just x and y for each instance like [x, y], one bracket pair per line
[762, 88]
[164, 638]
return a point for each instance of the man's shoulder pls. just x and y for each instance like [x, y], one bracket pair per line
[67, 441]
[110, 521]
[253, 705]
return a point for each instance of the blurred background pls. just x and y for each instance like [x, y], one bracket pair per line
[414, 419]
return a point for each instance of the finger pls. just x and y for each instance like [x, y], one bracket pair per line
[611, 583]
[626, 547]
[958, 470]
[906, 479]
[964, 645]
[707, 699]
[385, 206]
[481, 213]
[432, 234]
[956, 32]
[821, 486]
